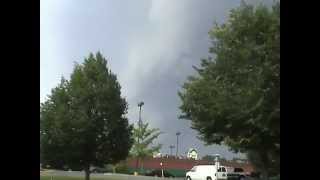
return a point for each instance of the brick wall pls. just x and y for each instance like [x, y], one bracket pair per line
[183, 164]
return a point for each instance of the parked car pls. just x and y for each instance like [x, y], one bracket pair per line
[207, 172]
[255, 174]
[158, 173]
[237, 174]
[98, 170]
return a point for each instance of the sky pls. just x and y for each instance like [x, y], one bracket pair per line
[151, 45]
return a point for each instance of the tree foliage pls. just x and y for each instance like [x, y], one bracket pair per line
[235, 97]
[144, 145]
[83, 121]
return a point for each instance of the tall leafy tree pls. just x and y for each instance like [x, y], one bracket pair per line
[144, 145]
[235, 97]
[83, 121]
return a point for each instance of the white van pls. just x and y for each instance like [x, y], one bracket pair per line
[207, 172]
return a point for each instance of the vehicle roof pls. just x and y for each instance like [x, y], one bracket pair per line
[209, 165]
[205, 166]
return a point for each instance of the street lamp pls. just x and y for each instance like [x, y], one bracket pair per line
[216, 159]
[177, 134]
[161, 169]
[140, 104]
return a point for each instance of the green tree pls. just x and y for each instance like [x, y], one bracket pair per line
[83, 122]
[235, 97]
[143, 145]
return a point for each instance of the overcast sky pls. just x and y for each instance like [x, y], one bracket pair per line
[150, 44]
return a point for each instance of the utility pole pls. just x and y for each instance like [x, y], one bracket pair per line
[177, 134]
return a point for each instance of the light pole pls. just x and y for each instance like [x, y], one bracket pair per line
[171, 147]
[216, 159]
[140, 104]
[177, 134]
[161, 169]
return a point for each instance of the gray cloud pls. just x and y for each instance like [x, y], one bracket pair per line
[161, 57]
[150, 45]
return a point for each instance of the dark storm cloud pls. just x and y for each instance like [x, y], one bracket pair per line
[174, 38]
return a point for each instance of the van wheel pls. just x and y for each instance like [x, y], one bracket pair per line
[209, 178]
[188, 178]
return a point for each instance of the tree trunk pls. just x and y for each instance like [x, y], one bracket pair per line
[137, 162]
[87, 172]
[114, 168]
[265, 160]
[141, 165]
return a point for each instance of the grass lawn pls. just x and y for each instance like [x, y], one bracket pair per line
[78, 178]
[74, 178]
[109, 177]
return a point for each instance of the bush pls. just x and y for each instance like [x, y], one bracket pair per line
[122, 168]
[109, 168]
[275, 177]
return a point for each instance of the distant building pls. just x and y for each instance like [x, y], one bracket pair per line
[157, 155]
[179, 167]
[192, 154]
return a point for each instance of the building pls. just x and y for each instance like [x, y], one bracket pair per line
[157, 155]
[178, 167]
[192, 154]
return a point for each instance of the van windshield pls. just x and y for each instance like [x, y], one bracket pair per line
[222, 169]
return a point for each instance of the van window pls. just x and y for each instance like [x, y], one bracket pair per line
[222, 169]
[238, 170]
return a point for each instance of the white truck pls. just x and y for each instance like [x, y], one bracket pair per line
[207, 172]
